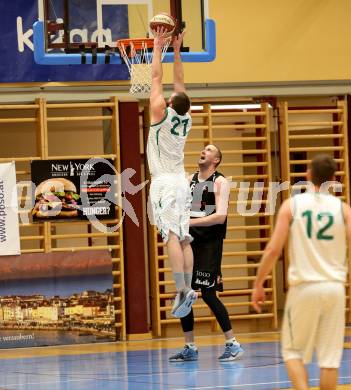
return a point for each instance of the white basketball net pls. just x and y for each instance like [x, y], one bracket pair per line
[139, 65]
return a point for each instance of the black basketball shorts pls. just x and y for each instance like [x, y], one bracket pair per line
[207, 264]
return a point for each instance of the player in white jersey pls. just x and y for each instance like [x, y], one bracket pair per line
[169, 191]
[318, 226]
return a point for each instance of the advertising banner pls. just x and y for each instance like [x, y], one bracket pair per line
[73, 189]
[16, 28]
[9, 227]
[56, 298]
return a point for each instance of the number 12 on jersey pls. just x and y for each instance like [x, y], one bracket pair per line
[327, 217]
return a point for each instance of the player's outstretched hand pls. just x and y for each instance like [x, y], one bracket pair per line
[177, 41]
[160, 36]
[257, 298]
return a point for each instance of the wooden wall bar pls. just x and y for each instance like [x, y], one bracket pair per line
[244, 139]
[67, 236]
[305, 132]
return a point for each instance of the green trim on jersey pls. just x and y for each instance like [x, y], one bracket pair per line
[157, 141]
[163, 119]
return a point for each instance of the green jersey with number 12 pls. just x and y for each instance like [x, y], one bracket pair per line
[165, 145]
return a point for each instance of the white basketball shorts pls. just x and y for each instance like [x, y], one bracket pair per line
[314, 319]
[170, 198]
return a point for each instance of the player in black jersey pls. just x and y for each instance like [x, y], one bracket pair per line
[208, 226]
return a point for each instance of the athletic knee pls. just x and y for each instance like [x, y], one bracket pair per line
[185, 243]
[172, 237]
[210, 298]
[188, 322]
[209, 295]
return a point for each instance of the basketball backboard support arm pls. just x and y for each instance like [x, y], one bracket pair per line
[42, 57]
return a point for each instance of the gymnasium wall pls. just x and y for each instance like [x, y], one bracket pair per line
[264, 41]
[257, 41]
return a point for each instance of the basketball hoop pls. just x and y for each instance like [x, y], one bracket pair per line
[137, 54]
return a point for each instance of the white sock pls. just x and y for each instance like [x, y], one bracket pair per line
[187, 278]
[191, 345]
[179, 280]
[231, 341]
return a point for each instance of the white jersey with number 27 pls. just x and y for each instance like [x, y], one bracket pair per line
[165, 145]
[317, 241]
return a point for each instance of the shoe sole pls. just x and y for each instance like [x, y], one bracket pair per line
[182, 360]
[185, 308]
[232, 358]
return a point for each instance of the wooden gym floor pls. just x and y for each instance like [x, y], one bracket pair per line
[144, 365]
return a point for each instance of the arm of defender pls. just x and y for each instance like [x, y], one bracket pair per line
[222, 192]
[178, 70]
[271, 253]
[157, 101]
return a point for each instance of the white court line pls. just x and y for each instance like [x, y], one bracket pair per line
[124, 377]
[229, 386]
[249, 384]
[23, 385]
[131, 376]
[181, 388]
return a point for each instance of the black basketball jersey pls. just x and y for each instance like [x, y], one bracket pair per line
[204, 204]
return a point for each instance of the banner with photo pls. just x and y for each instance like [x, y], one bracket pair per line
[73, 189]
[9, 227]
[56, 298]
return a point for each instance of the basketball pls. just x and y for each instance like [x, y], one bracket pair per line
[163, 20]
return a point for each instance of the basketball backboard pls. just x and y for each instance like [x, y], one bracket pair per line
[86, 31]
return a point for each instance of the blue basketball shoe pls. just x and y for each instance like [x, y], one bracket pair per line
[232, 351]
[186, 355]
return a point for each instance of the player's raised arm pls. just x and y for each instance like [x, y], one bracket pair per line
[157, 101]
[178, 71]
